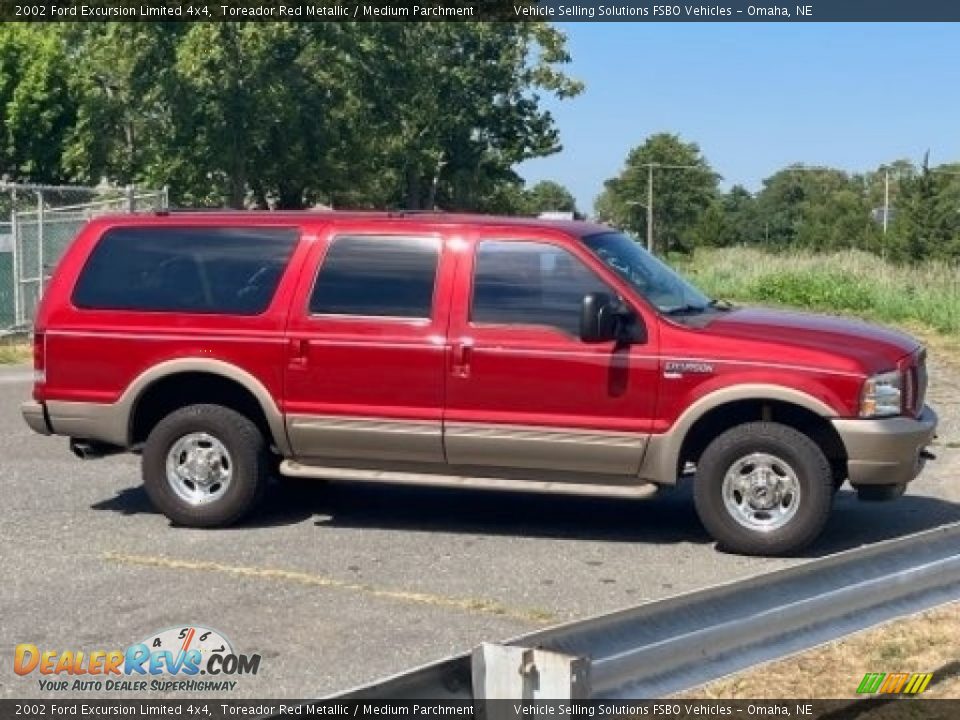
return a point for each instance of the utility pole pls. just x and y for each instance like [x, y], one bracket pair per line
[886, 197]
[650, 166]
[650, 208]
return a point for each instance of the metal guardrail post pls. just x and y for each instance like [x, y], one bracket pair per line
[505, 672]
[131, 198]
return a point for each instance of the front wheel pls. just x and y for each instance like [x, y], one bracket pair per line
[763, 489]
[205, 466]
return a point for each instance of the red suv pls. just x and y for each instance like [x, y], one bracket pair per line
[460, 350]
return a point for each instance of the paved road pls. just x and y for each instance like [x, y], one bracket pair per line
[336, 584]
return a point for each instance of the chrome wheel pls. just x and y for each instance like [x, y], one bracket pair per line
[199, 468]
[761, 492]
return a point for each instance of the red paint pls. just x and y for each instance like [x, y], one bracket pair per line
[445, 366]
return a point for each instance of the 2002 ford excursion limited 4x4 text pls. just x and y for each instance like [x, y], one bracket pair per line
[460, 350]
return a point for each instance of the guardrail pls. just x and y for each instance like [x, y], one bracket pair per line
[677, 643]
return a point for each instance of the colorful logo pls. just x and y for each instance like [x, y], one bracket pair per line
[181, 652]
[894, 683]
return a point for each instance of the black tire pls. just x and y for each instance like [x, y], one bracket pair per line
[803, 456]
[248, 452]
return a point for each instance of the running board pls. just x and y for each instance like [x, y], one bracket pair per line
[294, 469]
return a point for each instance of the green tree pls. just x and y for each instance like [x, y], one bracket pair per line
[898, 171]
[267, 112]
[37, 108]
[684, 186]
[547, 196]
[817, 208]
[456, 105]
[284, 114]
[731, 219]
[927, 220]
[606, 208]
[740, 207]
[714, 227]
[122, 80]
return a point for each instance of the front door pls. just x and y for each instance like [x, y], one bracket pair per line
[523, 391]
[366, 365]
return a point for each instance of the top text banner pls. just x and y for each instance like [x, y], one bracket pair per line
[500, 10]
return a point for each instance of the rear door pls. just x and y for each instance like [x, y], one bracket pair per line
[524, 391]
[367, 334]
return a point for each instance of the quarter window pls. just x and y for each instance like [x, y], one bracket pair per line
[231, 271]
[531, 283]
[381, 276]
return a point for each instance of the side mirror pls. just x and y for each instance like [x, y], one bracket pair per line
[597, 320]
[604, 318]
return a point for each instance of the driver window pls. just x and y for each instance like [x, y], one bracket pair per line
[530, 283]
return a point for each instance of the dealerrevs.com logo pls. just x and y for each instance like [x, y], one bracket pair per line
[190, 658]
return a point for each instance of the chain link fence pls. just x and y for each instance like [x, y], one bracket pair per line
[7, 315]
[37, 223]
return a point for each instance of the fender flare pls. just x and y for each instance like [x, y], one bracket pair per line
[127, 404]
[662, 455]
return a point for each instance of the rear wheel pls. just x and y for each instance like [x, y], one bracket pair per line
[763, 489]
[205, 466]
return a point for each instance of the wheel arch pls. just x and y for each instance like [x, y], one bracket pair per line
[727, 407]
[169, 385]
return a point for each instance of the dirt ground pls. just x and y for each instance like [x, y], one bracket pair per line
[925, 643]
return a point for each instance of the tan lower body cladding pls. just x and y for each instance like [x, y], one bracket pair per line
[315, 439]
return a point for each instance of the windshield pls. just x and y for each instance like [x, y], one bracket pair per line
[653, 279]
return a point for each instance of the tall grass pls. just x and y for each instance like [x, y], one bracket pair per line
[849, 282]
[11, 353]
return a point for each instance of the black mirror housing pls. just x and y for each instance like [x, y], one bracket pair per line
[598, 322]
[604, 318]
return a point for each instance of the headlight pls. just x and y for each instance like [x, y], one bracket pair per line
[882, 395]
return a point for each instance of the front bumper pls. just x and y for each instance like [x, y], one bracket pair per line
[35, 417]
[886, 451]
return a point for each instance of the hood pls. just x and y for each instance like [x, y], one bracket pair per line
[871, 347]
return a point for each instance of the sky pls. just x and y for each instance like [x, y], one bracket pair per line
[756, 97]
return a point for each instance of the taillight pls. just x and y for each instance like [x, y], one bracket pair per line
[39, 357]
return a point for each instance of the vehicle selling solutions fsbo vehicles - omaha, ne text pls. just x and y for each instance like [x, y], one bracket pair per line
[460, 350]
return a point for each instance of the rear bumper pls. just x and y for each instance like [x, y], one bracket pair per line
[34, 415]
[88, 421]
[886, 451]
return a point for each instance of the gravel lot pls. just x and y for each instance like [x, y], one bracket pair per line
[337, 584]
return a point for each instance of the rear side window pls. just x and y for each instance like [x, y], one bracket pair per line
[377, 276]
[231, 271]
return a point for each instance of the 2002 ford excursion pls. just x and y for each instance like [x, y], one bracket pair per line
[464, 350]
